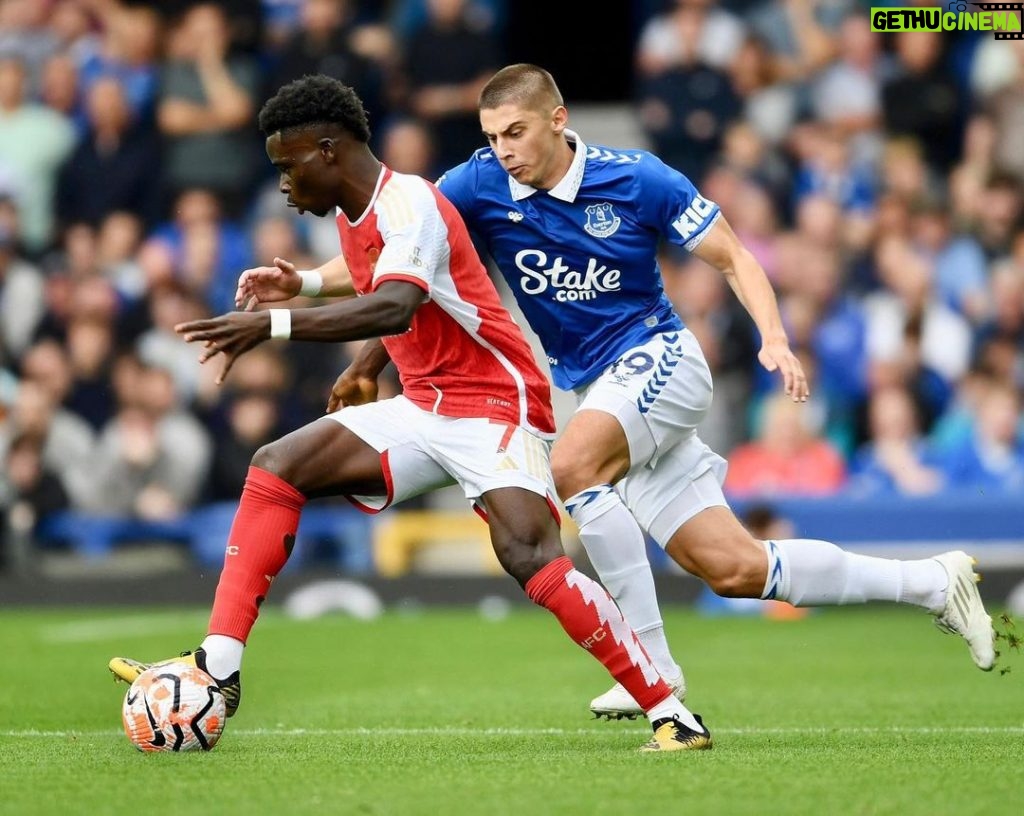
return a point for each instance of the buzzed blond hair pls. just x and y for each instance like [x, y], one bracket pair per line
[523, 84]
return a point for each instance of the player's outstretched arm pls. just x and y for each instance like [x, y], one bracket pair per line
[282, 281]
[724, 251]
[389, 310]
[357, 384]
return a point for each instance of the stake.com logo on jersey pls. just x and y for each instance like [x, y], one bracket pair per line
[568, 284]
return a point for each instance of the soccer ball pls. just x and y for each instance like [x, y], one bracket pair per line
[173, 707]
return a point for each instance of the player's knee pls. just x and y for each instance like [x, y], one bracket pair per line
[522, 555]
[273, 458]
[571, 476]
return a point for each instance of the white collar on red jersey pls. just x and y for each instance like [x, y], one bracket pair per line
[569, 185]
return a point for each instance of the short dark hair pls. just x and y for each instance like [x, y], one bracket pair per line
[521, 84]
[315, 100]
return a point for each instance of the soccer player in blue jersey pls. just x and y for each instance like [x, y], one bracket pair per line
[574, 229]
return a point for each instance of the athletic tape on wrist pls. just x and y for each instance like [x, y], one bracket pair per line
[312, 283]
[280, 324]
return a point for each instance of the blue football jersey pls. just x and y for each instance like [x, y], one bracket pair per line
[581, 257]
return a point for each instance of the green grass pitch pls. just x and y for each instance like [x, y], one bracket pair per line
[445, 712]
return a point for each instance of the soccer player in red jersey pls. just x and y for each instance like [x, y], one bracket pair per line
[474, 409]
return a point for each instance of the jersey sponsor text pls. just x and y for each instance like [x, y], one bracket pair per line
[569, 284]
[693, 217]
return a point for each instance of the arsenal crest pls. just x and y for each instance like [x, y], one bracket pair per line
[601, 220]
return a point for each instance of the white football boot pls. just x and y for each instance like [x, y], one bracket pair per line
[964, 613]
[617, 703]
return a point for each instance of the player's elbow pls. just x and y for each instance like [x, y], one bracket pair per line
[395, 315]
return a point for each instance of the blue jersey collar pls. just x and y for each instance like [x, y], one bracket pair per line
[569, 185]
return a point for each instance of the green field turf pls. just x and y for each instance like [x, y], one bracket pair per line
[444, 712]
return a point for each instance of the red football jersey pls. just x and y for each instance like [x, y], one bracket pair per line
[463, 356]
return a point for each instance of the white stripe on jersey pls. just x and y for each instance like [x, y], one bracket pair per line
[418, 196]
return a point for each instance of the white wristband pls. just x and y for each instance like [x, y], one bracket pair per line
[280, 324]
[312, 282]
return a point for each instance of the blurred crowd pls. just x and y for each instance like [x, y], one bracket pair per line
[877, 178]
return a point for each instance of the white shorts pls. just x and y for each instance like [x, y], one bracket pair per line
[421, 451]
[659, 392]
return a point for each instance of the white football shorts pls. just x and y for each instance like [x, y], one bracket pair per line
[659, 392]
[421, 451]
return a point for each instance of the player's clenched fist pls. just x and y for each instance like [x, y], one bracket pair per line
[351, 388]
[267, 284]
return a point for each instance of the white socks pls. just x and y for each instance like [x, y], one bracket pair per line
[223, 655]
[671, 707]
[817, 573]
[616, 548]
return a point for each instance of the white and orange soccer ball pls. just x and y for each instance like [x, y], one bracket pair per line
[174, 707]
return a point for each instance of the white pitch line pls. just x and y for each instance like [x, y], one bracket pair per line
[535, 732]
[111, 628]
[91, 630]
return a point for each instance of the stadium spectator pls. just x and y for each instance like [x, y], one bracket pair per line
[999, 215]
[1005, 322]
[746, 151]
[769, 106]
[960, 269]
[206, 104]
[801, 34]
[407, 147]
[785, 458]
[114, 166]
[278, 236]
[913, 333]
[61, 91]
[21, 299]
[170, 304]
[29, 493]
[446, 63]
[827, 167]
[208, 247]
[90, 347]
[117, 248]
[690, 32]
[66, 440]
[326, 42]
[835, 324]
[34, 142]
[684, 112]
[409, 16]
[903, 172]
[25, 36]
[998, 79]
[130, 53]
[992, 457]
[896, 458]
[151, 459]
[754, 217]
[75, 25]
[922, 99]
[253, 419]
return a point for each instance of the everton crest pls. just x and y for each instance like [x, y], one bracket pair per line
[601, 220]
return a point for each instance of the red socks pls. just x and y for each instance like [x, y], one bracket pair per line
[261, 539]
[591, 618]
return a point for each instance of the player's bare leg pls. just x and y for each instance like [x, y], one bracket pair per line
[714, 546]
[528, 545]
[590, 456]
[318, 459]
